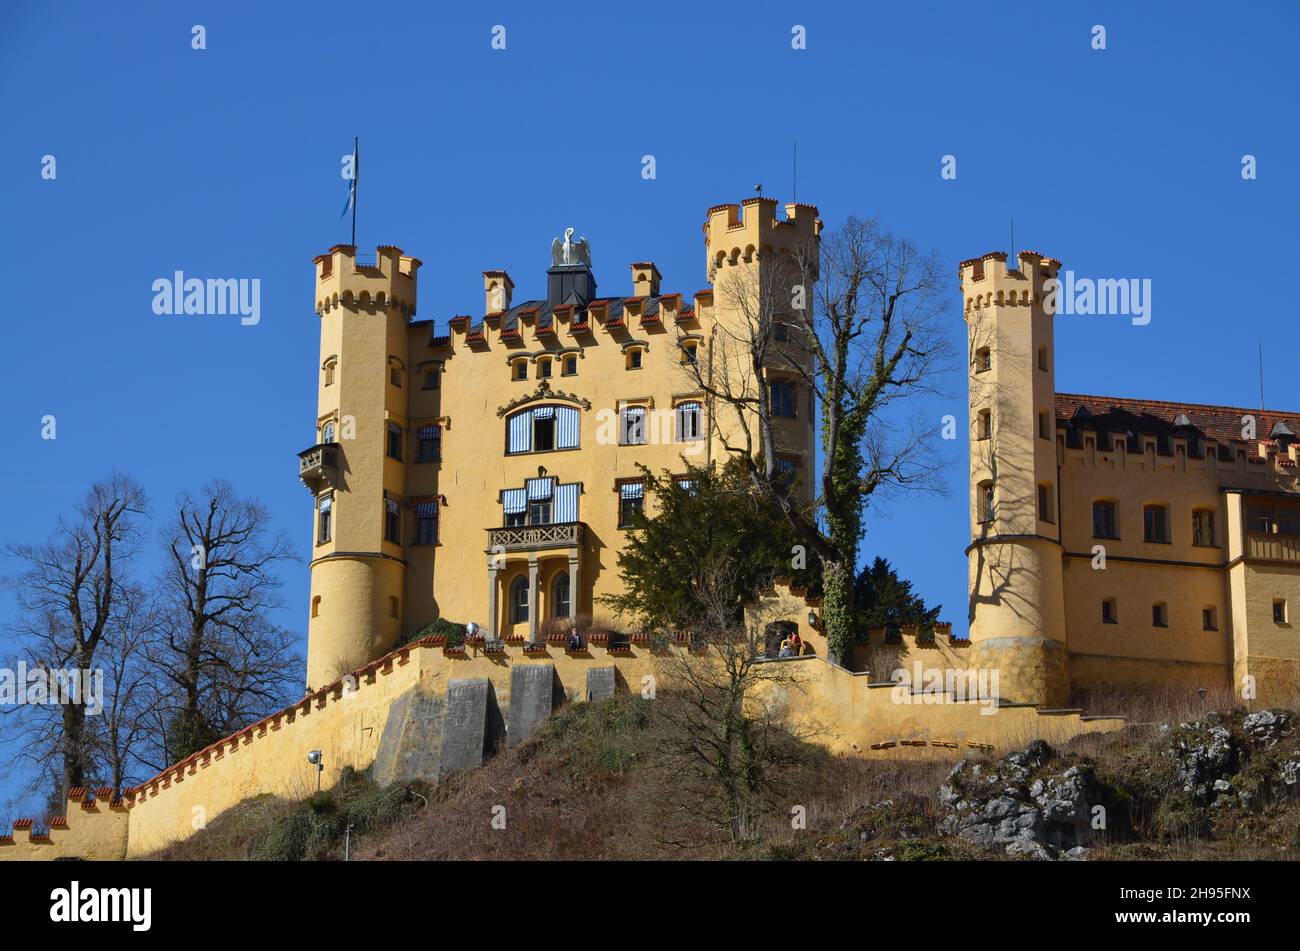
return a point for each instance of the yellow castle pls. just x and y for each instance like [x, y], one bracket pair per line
[1119, 542]
[488, 476]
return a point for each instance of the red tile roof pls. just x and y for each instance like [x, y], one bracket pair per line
[1220, 423]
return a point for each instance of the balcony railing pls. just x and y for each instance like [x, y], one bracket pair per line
[319, 465]
[1269, 547]
[530, 537]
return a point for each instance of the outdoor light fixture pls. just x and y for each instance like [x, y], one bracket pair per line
[812, 619]
[315, 758]
[471, 631]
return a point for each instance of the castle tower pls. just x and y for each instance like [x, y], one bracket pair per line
[754, 261]
[1016, 601]
[355, 471]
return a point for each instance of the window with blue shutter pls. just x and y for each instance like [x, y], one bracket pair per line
[631, 503]
[426, 522]
[514, 503]
[566, 503]
[688, 422]
[633, 428]
[519, 436]
[566, 427]
[430, 444]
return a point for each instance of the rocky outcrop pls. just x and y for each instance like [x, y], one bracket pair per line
[1034, 803]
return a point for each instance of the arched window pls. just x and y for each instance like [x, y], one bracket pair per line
[541, 429]
[560, 595]
[315, 606]
[519, 600]
[327, 432]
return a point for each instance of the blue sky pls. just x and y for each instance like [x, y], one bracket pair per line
[225, 163]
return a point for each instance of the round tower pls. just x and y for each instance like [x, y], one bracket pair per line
[356, 470]
[1016, 601]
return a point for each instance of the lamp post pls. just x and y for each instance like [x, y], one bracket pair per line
[315, 758]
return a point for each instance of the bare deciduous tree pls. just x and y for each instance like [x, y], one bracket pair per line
[75, 607]
[727, 705]
[857, 324]
[224, 660]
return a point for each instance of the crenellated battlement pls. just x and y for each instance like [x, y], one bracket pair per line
[987, 281]
[739, 234]
[95, 829]
[342, 277]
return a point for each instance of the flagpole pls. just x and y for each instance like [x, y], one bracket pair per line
[356, 180]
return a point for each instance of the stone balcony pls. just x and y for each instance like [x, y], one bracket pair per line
[537, 537]
[1267, 546]
[318, 466]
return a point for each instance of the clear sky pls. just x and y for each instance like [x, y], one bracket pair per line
[224, 162]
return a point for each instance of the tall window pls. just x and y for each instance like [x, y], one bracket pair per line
[1045, 511]
[329, 373]
[324, 519]
[1105, 523]
[1042, 358]
[1209, 619]
[430, 444]
[395, 442]
[987, 510]
[983, 359]
[631, 503]
[1109, 612]
[395, 375]
[1044, 425]
[560, 595]
[984, 425]
[1279, 610]
[392, 522]
[327, 432]
[632, 427]
[688, 422]
[569, 365]
[519, 600]
[1203, 527]
[544, 427]
[1159, 614]
[426, 523]
[780, 331]
[782, 395]
[1155, 522]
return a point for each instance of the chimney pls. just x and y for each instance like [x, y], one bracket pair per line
[645, 279]
[497, 288]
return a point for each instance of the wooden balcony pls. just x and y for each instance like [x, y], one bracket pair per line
[1267, 546]
[319, 466]
[537, 537]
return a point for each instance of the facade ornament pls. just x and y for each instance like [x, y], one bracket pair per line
[543, 392]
